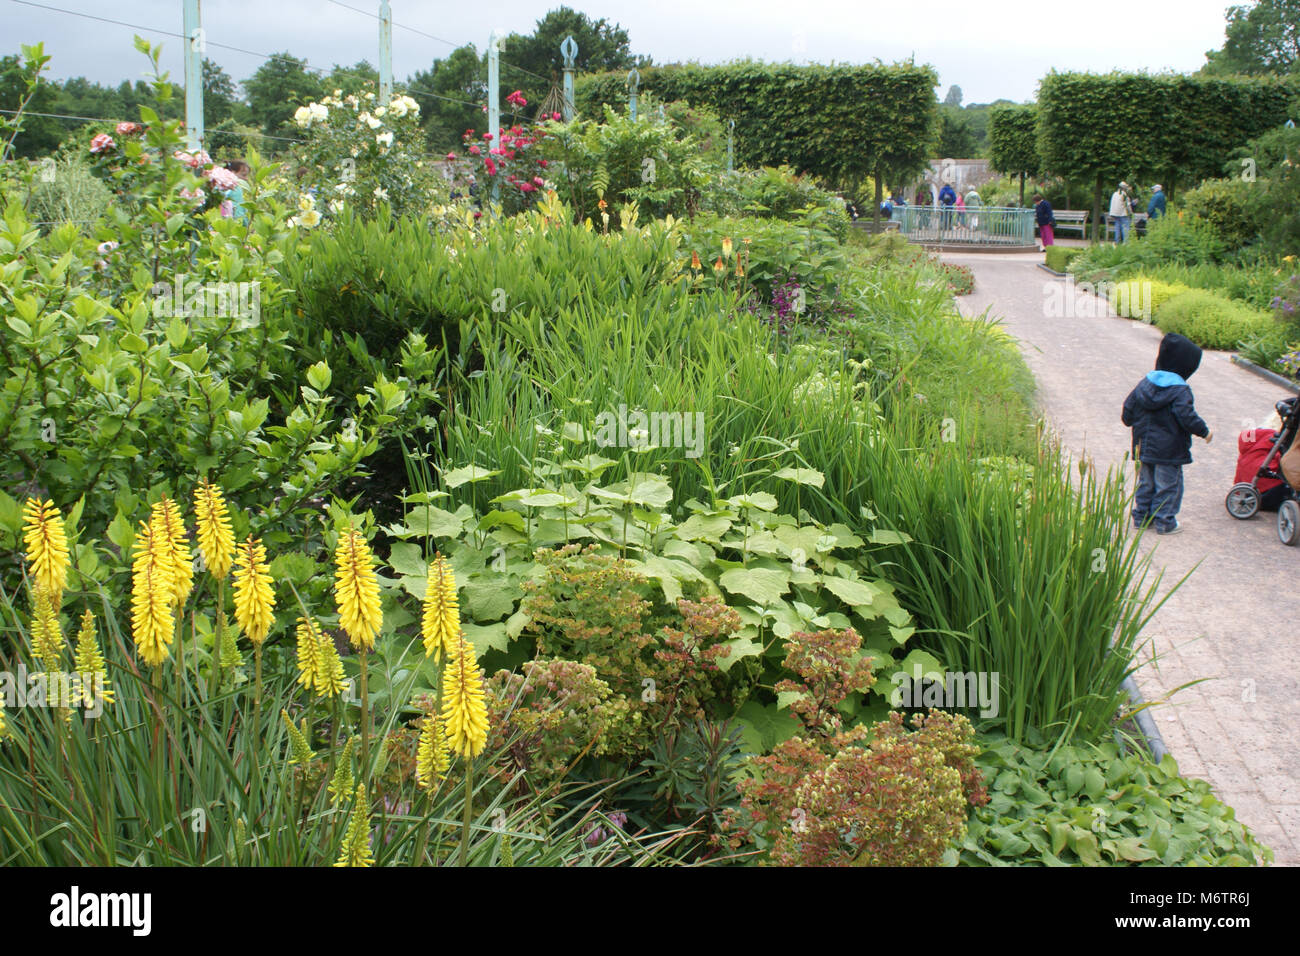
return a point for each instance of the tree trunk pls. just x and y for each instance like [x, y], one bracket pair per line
[1096, 210]
[1022, 190]
[875, 212]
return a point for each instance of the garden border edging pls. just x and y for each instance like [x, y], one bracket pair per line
[1262, 372]
[1150, 732]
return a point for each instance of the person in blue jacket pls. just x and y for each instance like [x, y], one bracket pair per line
[1161, 411]
[947, 196]
[1156, 205]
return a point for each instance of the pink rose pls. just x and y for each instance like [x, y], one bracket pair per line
[129, 129]
[491, 167]
[555, 116]
[543, 163]
[451, 155]
[101, 142]
[539, 180]
[487, 136]
[475, 151]
[222, 178]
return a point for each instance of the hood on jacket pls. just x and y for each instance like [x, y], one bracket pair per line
[1179, 355]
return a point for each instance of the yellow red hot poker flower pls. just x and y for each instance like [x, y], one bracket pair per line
[47, 636]
[463, 707]
[356, 843]
[356, 590]
[151, 595]
[432, 757]
[254, 599]
[167, 516]
[47, 548]
[441, 622]
[216, 538]
[90, 661]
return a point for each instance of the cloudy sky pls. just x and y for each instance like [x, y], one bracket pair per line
[993, 49]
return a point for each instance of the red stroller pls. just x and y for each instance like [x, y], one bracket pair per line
[1260, 484]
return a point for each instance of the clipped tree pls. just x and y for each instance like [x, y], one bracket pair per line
[838, 123]
[1013, 142]
[1101, 128]
[277, 88]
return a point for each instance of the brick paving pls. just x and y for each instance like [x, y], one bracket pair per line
[1236, 621]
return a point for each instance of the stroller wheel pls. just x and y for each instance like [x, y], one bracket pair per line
[1288, 521]
[1242, 501]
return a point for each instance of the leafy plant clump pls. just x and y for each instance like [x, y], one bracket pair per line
[1093, 806]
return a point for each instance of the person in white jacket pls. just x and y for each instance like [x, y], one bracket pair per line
[1121, 211]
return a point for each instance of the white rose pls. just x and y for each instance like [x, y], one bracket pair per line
[381, 192]
[385, 139]
[302, 116]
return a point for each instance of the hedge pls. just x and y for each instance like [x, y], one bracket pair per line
[1058, 257]
[841, 123]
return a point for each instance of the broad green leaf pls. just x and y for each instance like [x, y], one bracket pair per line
[757, 584]
[801, 476]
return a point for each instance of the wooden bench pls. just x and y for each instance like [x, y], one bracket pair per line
[1072, 219]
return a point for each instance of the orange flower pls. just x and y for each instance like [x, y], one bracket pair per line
[719, 267]
[695, 260]
[602, 205]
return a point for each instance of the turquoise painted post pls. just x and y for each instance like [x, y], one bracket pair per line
[731, 145]
[195, 47]
[569, 50]
[385, 53]
[633, 81]
[494, 102]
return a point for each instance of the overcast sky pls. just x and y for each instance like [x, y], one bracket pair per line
[991, 50]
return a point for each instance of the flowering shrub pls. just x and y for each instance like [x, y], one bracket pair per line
[960, 279]
[360, 154]
[515, 166]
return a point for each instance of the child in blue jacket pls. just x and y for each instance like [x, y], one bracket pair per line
[1162, 413]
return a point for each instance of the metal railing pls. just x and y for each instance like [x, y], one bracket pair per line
[977, 225]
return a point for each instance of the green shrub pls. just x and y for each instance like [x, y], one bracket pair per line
[1139, 297]
[1210, 320]
[1058, 257]
[1229, 206]
[1091, 806]
[67, 191]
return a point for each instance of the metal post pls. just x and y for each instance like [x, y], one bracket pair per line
[731, 145]
[494, 100]
[633, 81]
[385, 53]
[569, 50]
[195, 47]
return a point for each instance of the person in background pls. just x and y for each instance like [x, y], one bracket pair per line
[1121, 211]
[973, 203]
[960, 205]
[1045, 217]
[887, 208]
[947, 197]
[1156, 207]
[236, 196]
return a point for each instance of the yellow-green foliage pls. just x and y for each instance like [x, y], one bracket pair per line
[1141, 296]
[1210, 320]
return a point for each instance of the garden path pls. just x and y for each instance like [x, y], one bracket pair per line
[1236, 621]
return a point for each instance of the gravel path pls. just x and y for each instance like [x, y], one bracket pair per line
[1234, 622]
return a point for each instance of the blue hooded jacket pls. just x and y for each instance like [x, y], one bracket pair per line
[1161, 410]
[1156, 207]
[947, 195]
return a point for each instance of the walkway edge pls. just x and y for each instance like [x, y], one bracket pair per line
[1150, 732]
[1060, 275]
[1262, 372]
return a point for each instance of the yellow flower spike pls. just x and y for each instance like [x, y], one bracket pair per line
[168, 518]
[47, 547]
[254, 599]
[90, 662]
[230, 656]
[329, 676]
[356, 842]
[726, 246]
[300, 751]
[356, 590]
[719, 267]
[342, 782]
[432, 757]
[151, 595]
[462, 702]
[441, 622]
[216, 538]
[47, 636]
[4, 728]
[308, 659]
